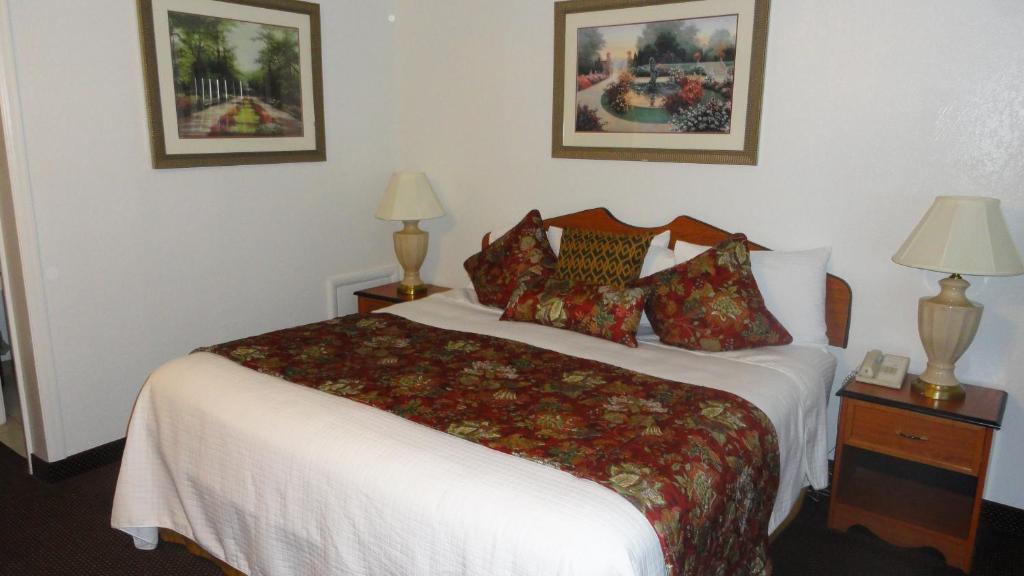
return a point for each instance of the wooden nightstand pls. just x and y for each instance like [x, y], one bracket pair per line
[383, 296]
[912, 470]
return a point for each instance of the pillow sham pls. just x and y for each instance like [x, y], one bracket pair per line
[609, 312]
[712, 303]
[520, 254]
[602, 258]
[792, 284]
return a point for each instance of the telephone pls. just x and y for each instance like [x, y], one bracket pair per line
[883, 369]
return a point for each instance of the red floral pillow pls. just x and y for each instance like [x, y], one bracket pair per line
[609, 312]
[522, 253]
[712, 303]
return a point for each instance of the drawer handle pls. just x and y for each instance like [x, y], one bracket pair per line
[911, 436]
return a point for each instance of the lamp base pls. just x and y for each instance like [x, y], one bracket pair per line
[947, 323]
[411, 250]
[405, 290]
[937, 391]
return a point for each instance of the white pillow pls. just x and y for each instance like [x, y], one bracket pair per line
[685, 251]
[792, 284]
[657, 259]
[658, 256]
[555, 238]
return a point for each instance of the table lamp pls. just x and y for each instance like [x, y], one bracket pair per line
[959, 235]
[410, 198]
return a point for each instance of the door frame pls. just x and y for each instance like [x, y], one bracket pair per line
[44, 430]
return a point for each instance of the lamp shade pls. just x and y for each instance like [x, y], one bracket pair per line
[409, 197]
[962, 235]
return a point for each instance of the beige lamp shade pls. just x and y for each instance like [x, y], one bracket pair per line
[409, 197]
[962, 235]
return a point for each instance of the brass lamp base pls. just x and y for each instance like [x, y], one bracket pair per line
[937, 391]
[404, 290]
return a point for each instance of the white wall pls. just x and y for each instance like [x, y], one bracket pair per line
[871, 109]
[143, 265]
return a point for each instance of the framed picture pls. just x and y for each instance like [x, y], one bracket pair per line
[232, 81]
[659, 80]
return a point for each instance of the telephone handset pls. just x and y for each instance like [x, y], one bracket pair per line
[883, 369]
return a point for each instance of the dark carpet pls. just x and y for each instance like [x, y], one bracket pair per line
[64, 529]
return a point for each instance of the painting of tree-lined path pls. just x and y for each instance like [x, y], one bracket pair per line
[673, 76]
[234, 78]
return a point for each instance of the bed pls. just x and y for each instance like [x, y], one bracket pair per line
[272, 478]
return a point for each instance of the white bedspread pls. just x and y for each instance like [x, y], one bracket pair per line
[280, 479]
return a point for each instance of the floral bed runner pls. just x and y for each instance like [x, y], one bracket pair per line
[701, 464]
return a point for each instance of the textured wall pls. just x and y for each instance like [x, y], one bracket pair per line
[871, 109]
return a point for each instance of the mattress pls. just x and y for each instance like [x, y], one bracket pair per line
[274, 478]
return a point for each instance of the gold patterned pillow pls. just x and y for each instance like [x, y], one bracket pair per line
[602, 258]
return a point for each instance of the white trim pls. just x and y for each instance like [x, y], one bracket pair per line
[31, 264]
[389, 273]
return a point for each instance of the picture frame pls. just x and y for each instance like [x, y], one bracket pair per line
[659, 80]
[231, 82]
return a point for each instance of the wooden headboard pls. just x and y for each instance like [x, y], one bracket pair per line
[838, 296]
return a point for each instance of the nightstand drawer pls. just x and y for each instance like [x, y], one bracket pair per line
[926, 439]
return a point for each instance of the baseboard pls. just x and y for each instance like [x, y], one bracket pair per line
[995, 516]
[77, 463]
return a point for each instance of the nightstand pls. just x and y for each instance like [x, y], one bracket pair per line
[383, 296]
[911, 469]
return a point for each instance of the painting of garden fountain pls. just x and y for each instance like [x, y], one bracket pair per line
[235, 79]
[666, 76]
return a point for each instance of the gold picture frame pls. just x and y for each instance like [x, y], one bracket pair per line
[231, 82]
[693, 85]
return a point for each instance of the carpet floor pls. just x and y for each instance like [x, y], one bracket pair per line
[64, 529]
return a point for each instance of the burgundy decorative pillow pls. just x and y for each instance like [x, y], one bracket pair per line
[609, 312]
[522, 253]
[712, 302]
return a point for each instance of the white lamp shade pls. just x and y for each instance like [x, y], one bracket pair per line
[409, 197]
[962, 235]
